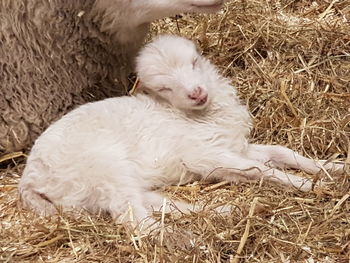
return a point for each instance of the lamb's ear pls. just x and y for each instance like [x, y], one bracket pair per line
[138, 87]
[198, 47]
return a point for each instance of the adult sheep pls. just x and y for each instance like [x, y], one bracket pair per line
[61, 53]
[190, 125]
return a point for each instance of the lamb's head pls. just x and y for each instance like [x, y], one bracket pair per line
[172, 68]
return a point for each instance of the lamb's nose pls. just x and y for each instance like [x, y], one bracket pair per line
[196, 93]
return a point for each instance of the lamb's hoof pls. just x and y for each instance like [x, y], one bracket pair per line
[335, 168]
[305, 186]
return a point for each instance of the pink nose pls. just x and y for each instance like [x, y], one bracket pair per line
[196, 94]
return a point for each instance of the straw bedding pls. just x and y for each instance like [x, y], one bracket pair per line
[291, 63]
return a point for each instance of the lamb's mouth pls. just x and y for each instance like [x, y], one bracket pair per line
[202, 101]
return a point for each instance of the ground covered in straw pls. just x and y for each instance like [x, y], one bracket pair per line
[291, 63]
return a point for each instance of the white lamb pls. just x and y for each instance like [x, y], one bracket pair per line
[111, 155]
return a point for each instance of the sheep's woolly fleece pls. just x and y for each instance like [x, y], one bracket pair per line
[54, 56]
[291, 64]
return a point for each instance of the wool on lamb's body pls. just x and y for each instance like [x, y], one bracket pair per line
[57, 54]
[113, 153]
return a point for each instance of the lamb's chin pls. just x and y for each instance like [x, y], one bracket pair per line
[199, 107]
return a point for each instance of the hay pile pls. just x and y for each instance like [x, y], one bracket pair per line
[291, 63]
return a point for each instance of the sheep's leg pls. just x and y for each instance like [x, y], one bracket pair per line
[283, 157]
[228, 166]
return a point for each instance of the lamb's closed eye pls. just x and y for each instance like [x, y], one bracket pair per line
[165, 89]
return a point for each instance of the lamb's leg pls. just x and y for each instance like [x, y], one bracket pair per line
[155, 201]
[283, 157]
[227, 166]
[148, 202]
[135, 207]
